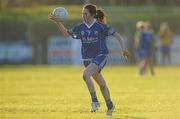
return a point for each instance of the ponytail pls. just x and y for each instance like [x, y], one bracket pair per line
[100, 16]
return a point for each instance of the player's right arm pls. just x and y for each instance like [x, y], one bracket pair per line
[60, 25]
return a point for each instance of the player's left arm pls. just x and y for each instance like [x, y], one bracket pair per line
[124, 52]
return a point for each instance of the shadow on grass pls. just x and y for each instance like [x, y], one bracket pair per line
[127, 117]
[133, 117]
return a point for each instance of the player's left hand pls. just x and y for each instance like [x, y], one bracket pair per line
[125, 54]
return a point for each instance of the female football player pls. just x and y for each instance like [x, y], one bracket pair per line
[145, 49]
[92, 34]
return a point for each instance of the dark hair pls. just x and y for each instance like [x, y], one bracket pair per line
[100, 16]
[91, 8]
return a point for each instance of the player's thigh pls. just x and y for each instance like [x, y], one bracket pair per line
[91, 69]
[142, 62]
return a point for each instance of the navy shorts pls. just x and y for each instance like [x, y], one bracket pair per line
[165, 49]
[143, 53]
[99, 60]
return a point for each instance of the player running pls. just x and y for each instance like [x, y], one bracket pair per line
[93, 34]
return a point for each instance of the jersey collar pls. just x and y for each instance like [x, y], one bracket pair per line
[89, 26]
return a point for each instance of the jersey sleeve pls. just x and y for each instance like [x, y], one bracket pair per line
[110, 30]
[74, 32]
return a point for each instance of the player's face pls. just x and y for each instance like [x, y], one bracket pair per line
[86, 15]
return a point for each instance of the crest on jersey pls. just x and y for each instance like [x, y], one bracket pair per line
[95, 32]
[89, 32]
[82, 33]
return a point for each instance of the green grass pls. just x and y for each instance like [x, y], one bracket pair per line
[37, 13]
[58, 92]
[115, 14]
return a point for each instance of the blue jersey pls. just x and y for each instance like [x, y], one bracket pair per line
[145, 45]
[146, 40]
[93, 38]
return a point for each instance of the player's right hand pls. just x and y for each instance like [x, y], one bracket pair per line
[53, 18]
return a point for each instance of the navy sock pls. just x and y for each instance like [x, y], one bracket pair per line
[109, 104]
[94, 97]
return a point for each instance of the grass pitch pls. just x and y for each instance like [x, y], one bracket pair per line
[58, 92]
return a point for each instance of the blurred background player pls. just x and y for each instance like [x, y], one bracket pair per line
[145, 49]
[94, 51]
[166, 36]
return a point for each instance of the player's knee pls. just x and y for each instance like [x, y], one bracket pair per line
[86, 76]
[102, 86]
